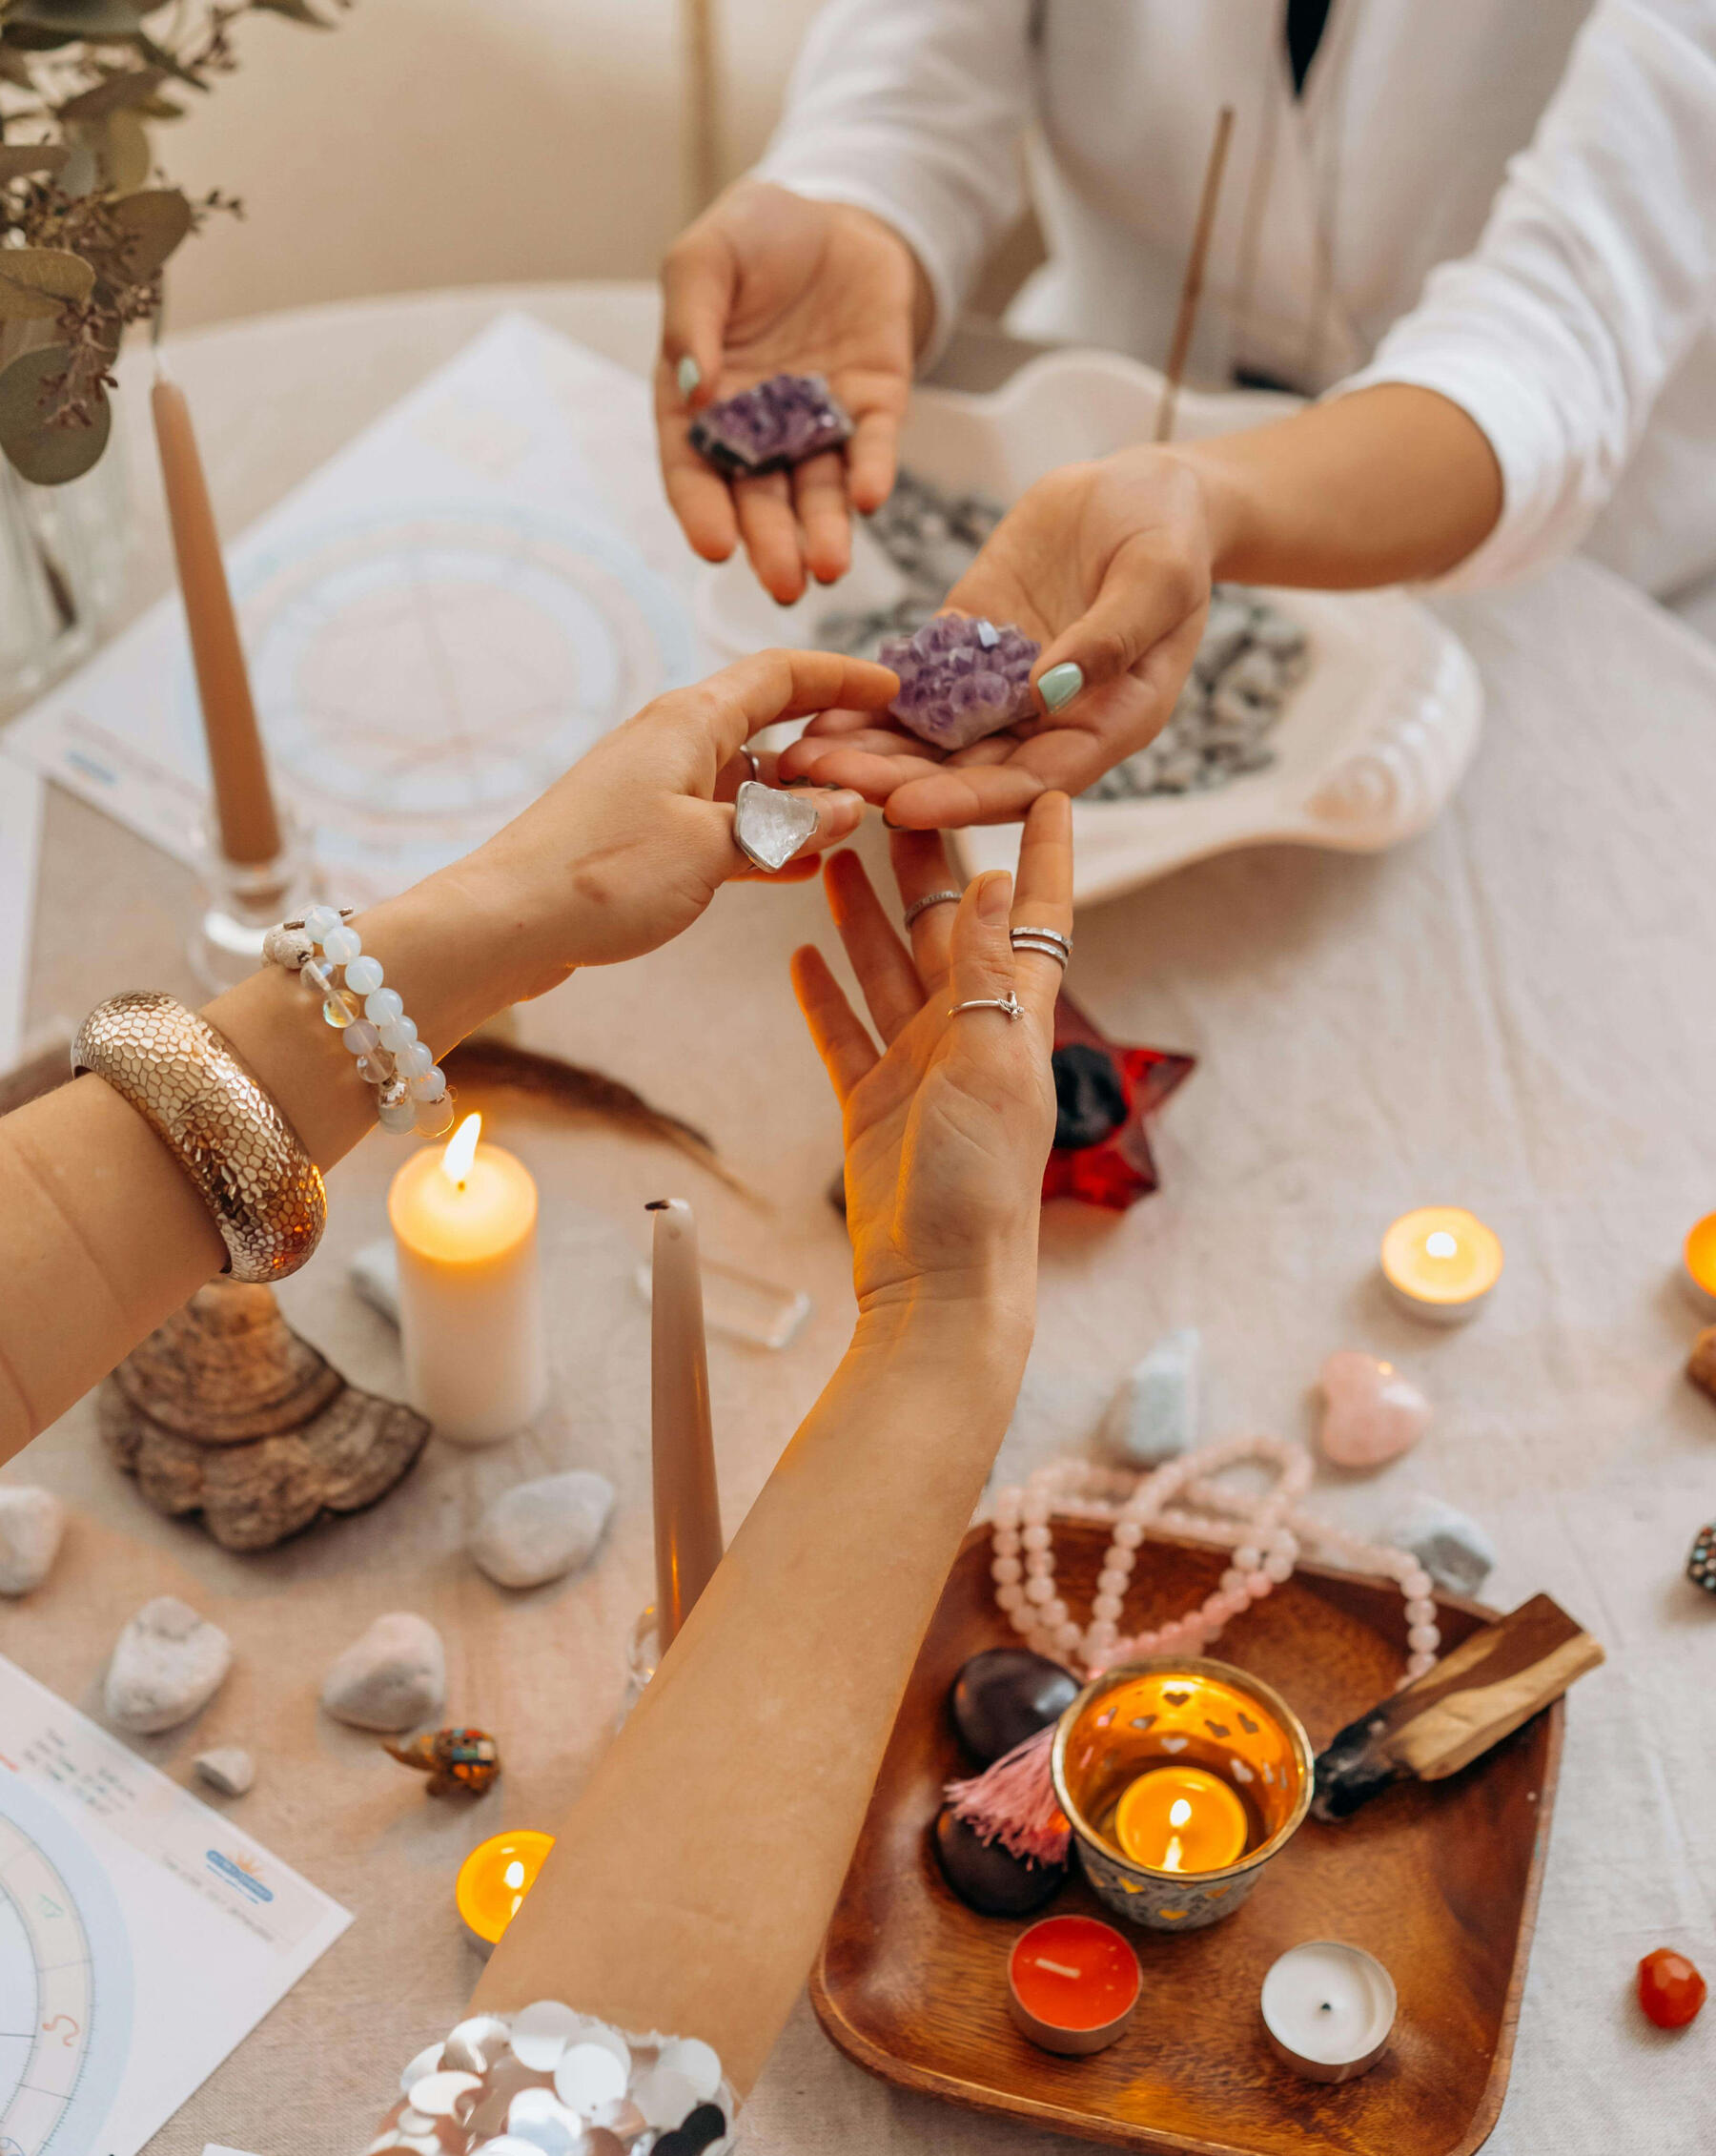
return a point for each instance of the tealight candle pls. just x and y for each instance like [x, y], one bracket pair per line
[1072, 1984]
[1180, 1820]
[1328, 2010]
[1441, 1262]
[464, 1218]
[1700, 1256]
[494, 1880]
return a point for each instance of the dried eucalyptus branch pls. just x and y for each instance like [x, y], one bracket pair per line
[87, 222]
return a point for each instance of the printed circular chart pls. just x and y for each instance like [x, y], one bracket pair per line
[64, 1983]
[420, 681]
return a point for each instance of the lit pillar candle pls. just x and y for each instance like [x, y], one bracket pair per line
[688, 1505]
[464, 1218]
[1441, 1262]
[244, 807]
[1181, 1820]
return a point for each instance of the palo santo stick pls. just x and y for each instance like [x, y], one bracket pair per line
[1191, 291]
[1475, 1696]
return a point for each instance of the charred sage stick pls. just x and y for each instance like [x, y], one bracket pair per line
[1475, 1696]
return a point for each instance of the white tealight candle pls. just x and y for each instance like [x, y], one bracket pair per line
[1441, 1262]
[464, 1218]
[1328, 2010]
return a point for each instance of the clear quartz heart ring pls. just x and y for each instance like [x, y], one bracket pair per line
[770, 825]
[930, 898]
[1008, 1005]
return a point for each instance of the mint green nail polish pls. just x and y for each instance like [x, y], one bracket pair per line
[689, 375]
[1060, 684]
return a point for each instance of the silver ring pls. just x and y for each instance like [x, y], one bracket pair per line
[750, 756]
[1009, 1004]
[1039, 941]
[932, 898]
[1044, 935]
[769, 824]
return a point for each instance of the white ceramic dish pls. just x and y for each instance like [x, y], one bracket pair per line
[1370, 747]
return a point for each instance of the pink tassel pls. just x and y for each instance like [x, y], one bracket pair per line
[1012, 1801]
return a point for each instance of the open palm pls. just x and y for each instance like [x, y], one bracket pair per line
[769, 282]
[948, 1124]
[1108, 566]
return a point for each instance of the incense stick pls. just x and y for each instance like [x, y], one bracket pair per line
[1191, 291]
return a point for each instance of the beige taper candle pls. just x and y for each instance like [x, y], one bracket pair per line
[688, 1505]
[244, 809]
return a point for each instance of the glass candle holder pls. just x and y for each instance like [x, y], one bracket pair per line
[1236, 1776]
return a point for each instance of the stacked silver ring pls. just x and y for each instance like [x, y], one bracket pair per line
[1047, 942]
[930, 898]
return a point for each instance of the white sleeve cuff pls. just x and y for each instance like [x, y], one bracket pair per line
[1541, 517]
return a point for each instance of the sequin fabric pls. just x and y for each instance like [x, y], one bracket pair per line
[219, 1123]
[548, 2082]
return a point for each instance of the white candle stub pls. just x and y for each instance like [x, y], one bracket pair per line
[1328, 2010]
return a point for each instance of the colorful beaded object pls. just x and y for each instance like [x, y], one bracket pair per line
[327, 955]
[548, 2082]
[1701, 1565]
[452, 1759]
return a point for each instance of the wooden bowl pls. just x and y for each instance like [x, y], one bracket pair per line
[1439, 1880]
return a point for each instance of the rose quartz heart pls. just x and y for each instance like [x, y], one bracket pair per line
[1371, 1412]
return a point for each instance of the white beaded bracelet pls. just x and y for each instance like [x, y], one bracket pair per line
[326, 952]
[548, 2082]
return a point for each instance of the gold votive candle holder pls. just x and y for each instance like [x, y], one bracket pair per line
[1186, 1713]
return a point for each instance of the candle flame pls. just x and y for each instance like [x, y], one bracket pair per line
[1440, 1244]
[1178, 1811]
[514, 1875]
[462, 1147]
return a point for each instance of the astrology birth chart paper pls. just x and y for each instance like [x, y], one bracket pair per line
[141, 1936]
[437, 622]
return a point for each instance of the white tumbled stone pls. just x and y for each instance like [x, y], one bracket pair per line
[228, 1768]
[167, 1663]
[537, 1530]
[32, 1524]
[392, 1679]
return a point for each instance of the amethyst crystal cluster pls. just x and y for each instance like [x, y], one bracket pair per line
[961, 679]
[779, 423]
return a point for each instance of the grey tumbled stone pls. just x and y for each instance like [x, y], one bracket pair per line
[1454, 1550]
[31, 1523]
[167, 1663]
[392, 1679]
[1154, 1416]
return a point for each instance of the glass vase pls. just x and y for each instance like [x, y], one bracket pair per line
[62, 571]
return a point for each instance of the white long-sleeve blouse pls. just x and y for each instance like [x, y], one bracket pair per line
[1510, 201]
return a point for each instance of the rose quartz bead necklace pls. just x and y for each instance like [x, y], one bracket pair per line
[1263, 1529]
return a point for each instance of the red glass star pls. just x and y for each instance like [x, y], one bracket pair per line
[1105, 1091]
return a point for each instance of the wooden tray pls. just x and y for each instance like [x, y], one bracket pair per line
[1439, 1880]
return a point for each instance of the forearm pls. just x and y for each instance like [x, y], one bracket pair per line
[1391, 485]
[105, 1234]
[691, 1882]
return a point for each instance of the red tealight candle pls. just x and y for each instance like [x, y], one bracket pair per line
[1072, 1984]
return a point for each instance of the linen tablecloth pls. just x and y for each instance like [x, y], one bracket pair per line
[1513, 1013]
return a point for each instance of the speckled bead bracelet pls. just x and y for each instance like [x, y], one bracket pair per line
[327, 955]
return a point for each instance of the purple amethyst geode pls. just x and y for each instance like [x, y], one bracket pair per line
[779, 423]
[961, 679]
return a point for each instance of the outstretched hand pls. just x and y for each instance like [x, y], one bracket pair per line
[949, 1122]
[1108, 566]
[769, 282]
[629, 847]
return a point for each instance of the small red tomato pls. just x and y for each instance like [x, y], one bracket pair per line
[1670, 1989]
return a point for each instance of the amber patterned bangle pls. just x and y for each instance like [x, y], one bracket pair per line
[219, 1123]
